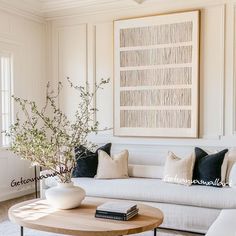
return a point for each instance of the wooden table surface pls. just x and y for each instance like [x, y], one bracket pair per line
[39, 215]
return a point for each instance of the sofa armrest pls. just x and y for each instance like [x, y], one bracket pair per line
[224, 224]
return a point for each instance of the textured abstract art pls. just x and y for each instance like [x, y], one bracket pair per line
[156, 75]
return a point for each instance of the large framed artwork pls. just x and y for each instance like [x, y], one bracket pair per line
[157, 75]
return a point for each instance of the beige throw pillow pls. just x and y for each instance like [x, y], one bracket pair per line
[224, 168]
[231, 161]
[115, 167]
[232, 176]
[179, 170]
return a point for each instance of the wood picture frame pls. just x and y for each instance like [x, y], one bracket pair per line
[156, 76]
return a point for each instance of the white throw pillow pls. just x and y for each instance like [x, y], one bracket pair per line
[232, 176]
[115, 167]
[179, 170]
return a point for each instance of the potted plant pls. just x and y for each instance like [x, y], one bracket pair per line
[47, 137]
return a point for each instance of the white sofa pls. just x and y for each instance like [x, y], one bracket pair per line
[224, 224]
[187, 208]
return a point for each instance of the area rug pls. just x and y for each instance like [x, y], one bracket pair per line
[9, 229]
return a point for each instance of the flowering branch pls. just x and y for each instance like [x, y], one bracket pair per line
[49, 141]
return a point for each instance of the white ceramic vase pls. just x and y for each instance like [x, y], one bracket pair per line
[65, 196]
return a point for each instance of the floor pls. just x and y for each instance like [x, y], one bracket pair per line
[9, 229]
[4, 206]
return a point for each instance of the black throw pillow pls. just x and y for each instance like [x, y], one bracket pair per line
[207, 168]
[87, 161]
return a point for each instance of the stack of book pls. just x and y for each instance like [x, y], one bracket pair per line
[117, 210]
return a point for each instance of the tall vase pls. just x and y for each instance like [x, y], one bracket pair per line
[65, 196]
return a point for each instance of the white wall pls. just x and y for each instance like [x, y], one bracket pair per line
[217, 70]
[82, 47]
[25, 39]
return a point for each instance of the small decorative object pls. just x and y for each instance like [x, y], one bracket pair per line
[47, 138]
[156, 75]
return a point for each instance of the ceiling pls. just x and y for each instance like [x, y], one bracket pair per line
[52, 5]
[45, 8]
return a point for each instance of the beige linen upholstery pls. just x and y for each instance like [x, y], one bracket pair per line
[115, 167]
[231, 161]
[179, 170]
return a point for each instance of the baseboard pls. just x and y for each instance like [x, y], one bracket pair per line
[15, 194]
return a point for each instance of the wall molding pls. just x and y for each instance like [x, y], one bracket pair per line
[91, 61]
[234, 70]
[58, 29]
[9, 41]
[222, 50]
[222, 129]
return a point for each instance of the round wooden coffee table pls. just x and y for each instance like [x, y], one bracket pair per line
[39, 215]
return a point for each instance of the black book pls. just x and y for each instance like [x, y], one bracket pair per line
[116, 216]
[115, 213]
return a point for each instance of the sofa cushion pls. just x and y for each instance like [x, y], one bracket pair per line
[155, 190]
[146, 171]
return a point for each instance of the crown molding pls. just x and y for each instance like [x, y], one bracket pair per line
[28, 13]
[54, 5]
[132, 9]
[45, 10]
[70, 13]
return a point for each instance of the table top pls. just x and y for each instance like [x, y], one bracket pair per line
[39, 215]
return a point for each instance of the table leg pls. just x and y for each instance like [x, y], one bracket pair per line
[21, 231]
[36, 182]
[155, 232]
